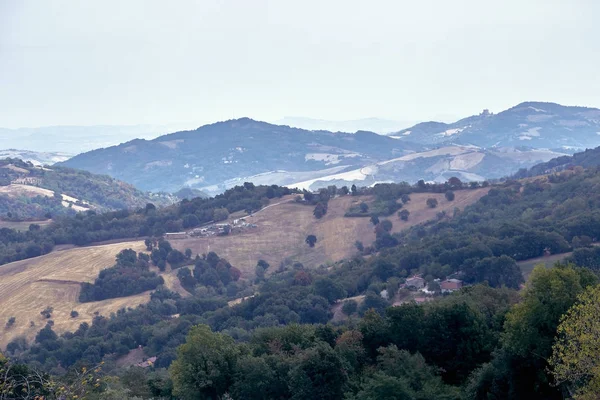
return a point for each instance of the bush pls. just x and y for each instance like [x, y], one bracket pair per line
[432, 203]
[74, 314]
[350, 307]
[449, 195]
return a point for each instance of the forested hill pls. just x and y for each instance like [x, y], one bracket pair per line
[585, 159]
[30, 192]
[237, 149]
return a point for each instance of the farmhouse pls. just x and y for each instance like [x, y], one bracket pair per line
[451, 285]
[416, 282]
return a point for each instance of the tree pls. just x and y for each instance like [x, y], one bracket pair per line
[374, 219]
[359, 246]
[350, 307]
[327, 288]
[311, 240]
[520, 368]
[205, 365]
[354, 190]
[575, 354]
[455, 183]
[318, 374]
[220, 214]
[449, 195]
[47, 312]
[74, 314]
[432, 203]
[320, 210]
[386, 225]
[405, 198]
[364, 207]
[403, 214]
[11, 321]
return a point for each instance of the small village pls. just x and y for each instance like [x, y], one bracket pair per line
[238, 225]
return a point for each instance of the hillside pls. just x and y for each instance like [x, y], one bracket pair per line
[216, 157]
[532, 124]
[281, 230]
[30, 192]
[585, 159]
[28, 287]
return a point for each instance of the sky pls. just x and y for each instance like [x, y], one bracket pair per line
[159, 62]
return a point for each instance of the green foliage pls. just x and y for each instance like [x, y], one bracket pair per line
[205, 365]
[575, 354]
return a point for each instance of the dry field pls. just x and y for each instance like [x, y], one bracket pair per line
[29, 286]
[283, 227]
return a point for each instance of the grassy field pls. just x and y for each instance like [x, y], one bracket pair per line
[547, 261]
[29, 286]
[283, 227]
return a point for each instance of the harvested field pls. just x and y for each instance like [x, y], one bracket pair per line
[283, 227]
[29, 286]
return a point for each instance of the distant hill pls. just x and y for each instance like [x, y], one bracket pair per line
[35, 157]
[215, 157]
[532, 124]
[30, 192]
[378, 125]
[585, 159]
[77, 139]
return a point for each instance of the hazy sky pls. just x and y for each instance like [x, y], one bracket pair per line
[155, 61]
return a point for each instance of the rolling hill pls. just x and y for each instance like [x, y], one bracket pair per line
[532, 124]
[216, 157]
[30, 192]
[28, 286]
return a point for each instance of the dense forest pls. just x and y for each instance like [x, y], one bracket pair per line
[495, 339]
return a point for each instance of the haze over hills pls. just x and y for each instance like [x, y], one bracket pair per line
[72, 139]
[215, 157]
[377, 125]
[532, 124]
[30, 192]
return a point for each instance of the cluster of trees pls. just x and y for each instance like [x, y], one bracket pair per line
[130, 275]
[211, 271]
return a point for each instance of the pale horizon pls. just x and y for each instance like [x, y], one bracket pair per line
[141, 63]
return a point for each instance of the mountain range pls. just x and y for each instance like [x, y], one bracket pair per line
[215, 157]
[531, 124]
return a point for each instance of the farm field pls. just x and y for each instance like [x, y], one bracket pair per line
[283, 227]
[29, 286]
